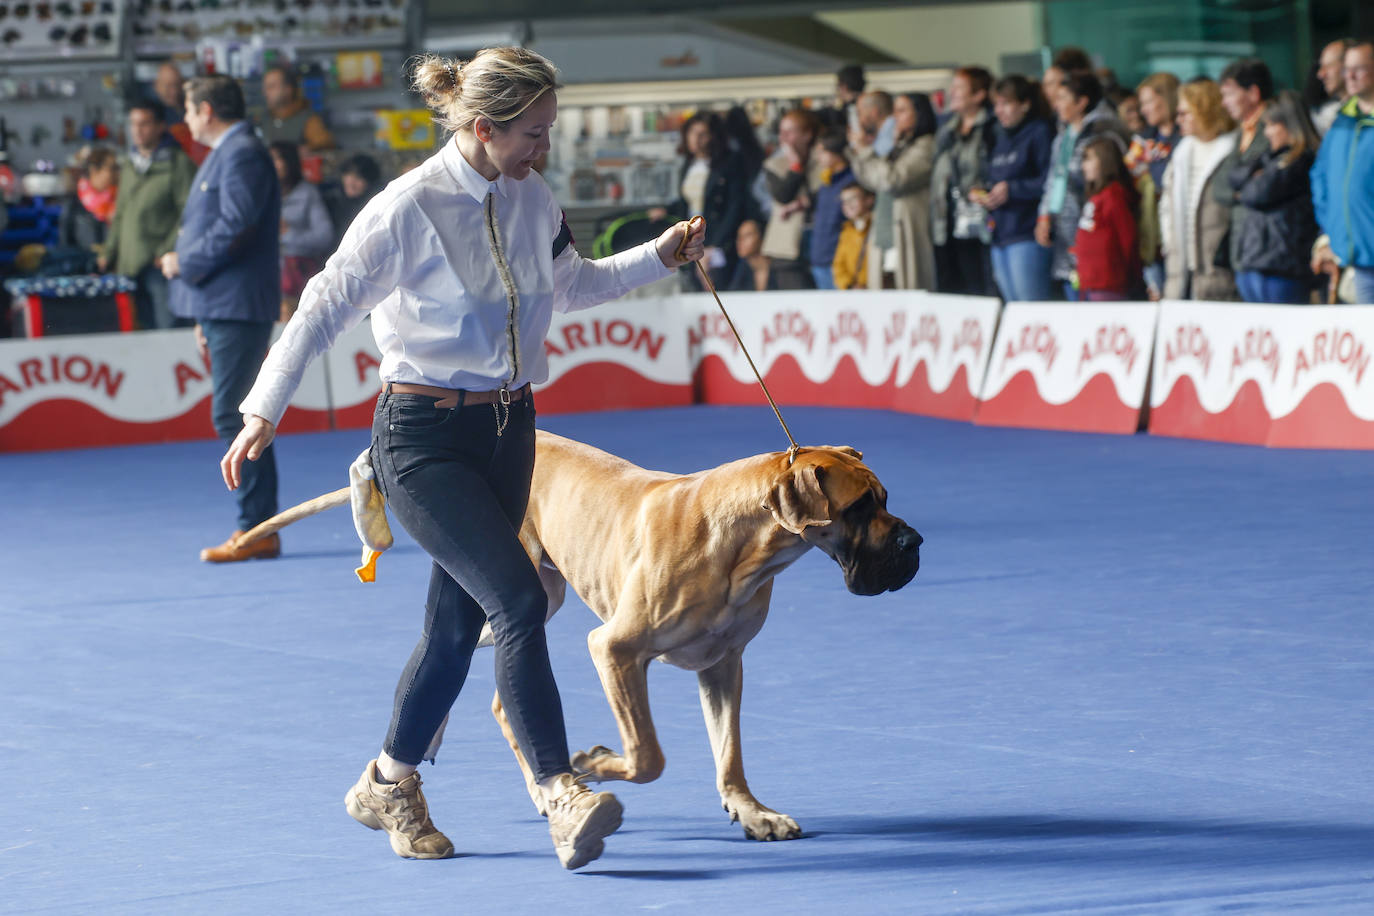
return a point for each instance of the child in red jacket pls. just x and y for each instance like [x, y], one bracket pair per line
[1107, 248]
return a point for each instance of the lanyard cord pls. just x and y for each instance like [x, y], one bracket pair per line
[706, 278]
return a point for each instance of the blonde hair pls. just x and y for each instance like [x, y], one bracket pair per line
[497, 84]
[1204, 98]
[1164, 85]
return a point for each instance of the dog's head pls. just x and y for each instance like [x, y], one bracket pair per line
[832, 500]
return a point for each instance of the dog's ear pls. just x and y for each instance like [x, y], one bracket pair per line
[798, 501]
[848, 450]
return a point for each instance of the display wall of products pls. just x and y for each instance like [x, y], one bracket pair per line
[60, 28]
[162, 26]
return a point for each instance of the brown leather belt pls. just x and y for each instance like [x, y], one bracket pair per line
[457, 397]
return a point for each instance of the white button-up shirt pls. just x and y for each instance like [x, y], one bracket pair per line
[459, 275]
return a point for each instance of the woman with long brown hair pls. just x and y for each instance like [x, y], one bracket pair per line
[1106, 249]
[460, 263]
[1274, 249]
[903, 175]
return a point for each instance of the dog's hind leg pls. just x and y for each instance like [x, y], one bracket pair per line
[531, 786]
[721, 687]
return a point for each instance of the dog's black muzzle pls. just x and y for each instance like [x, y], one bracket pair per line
[889, 567]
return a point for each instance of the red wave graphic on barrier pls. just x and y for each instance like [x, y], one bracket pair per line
[957, 402]
[300, 420]
[1245, 420]
[1095, 409]
[788, 384]
[714, 384]
[608, 386]
[69, 423]
[1322, 420]
[356, 416]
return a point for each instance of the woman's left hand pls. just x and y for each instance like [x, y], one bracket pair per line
[669, 241]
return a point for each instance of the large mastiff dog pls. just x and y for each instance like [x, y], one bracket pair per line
[680, 568]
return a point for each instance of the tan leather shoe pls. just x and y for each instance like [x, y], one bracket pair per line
[261, 549]
[580, 820]
[399, 808]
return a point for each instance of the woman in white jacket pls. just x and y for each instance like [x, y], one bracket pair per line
[1192, 225]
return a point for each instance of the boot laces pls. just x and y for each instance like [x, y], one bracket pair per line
[575, 790]
[408, 805]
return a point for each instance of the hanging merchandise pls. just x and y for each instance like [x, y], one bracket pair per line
[303, 24]
[95, 127]
[405, 129]
[78, 30]
[359, 70]
[9, 186]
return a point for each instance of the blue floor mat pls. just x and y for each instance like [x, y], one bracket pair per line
[1133, 676]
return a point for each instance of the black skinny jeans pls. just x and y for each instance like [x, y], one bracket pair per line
[460, 490]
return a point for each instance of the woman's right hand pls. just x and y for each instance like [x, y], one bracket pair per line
[1042, 231]
[250, 443]
[997, 195]
[682, 243]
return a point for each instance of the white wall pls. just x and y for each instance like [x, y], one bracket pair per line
[666, 48]
[952, 34]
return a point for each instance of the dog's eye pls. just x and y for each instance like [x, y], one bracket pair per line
[862, 505]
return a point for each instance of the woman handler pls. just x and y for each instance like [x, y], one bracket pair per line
[461, 262]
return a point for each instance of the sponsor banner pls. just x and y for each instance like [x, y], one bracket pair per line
[1071, 366]
[75, 391]
[906, 350]
[1293, 376]
[626, 354]
[351, 366]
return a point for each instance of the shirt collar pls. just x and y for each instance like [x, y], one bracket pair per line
[468, 178]
[214, 144]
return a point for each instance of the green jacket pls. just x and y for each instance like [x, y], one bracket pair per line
[148, 209]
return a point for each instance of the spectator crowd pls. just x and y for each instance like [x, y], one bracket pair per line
[128, 209]
[1070, 187]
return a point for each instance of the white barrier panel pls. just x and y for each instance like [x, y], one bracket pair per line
[626, 354]
[906, 350]
[113, 389]
[1072, 366]
[1294, 376]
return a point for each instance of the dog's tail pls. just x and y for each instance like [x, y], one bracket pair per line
[294, 514]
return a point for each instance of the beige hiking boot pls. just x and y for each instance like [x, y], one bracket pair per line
[399, 809]
[580, 820]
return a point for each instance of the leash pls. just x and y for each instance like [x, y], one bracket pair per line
[706, 278]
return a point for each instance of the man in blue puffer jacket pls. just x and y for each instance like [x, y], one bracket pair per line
[1343, 177]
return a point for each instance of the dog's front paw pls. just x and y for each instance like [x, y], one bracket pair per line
[761, 823]
[591, 763]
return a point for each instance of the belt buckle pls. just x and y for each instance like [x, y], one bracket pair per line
[504, 396]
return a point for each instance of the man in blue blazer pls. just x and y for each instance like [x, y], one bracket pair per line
[226, 274]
